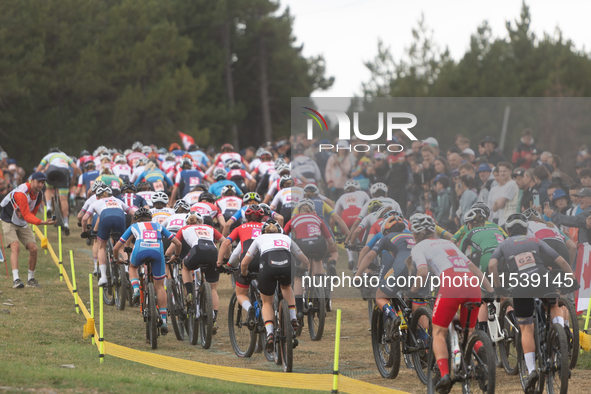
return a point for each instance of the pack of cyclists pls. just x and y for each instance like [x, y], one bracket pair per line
[260, 220]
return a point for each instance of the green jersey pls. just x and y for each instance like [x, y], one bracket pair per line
[464, 230]
[481, 242]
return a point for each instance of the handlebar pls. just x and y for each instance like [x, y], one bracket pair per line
[354, 247]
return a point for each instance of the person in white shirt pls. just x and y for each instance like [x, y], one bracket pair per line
[503, 197]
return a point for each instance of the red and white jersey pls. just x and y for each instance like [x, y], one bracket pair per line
[139, 170]
[160, 215]
[232, 174]
[265, 167]
[192, 197]
[265, 243]
[147, 196]
[121, 170]
[439, 255]
[107, 203]
[288, 197]
[134, 156]
[206, 209]
[307, 225]
[224, 158]
[168, 165]
[192, 234]
[175, 222]
[542, 231]
[83, 160]
[349, 205]
[246, 232]
[387, 201]
[229, 203]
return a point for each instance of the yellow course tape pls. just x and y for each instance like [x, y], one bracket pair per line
[298, 381]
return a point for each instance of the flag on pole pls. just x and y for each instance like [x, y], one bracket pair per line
[583, 274]
[187, 140]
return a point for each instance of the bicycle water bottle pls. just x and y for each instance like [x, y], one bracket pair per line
[455, 346]
[492, 322]
[402, 320]
[257, 309]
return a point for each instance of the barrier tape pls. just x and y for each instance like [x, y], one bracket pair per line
[298, 381]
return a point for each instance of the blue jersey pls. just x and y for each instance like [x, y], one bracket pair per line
[187, 180]
[240, 214]
[199, 157]
[88, 178]
[216, 188]
[146, 233]
[132, 200]
[178, 152]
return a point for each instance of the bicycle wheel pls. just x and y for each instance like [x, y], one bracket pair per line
[433, 374]
[571, 329]
[285, 334]
[57, 211]
[192, 322]
[386, 353]
[483, 365]
[152, 315]
[175, 299]
[422, 339]
[508, 346]
[118, 281]
[558, 372]
[108, 296]
[242, 339]
[316, 312]
[523, 373]
[205, 315]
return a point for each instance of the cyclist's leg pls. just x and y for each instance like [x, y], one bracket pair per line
[524, 311]
[159, 273]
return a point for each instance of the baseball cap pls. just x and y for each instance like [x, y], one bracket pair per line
[558, 193]
[483, 167]
[38, 176]
[455, 173]
[438, 177]
[584, 192]
[469, 151]
[519, 171]
[343, 144]
[431, 141]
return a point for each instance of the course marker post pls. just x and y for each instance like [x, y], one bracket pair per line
[59, 242]
[75, 289]
[101, 338]
[45, 226]
[91, 304]
[587, 317]
[337, 343]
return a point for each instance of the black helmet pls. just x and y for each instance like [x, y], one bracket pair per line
[483, 206]
[142, 212]
[516, 221]
[129, 186]
[207, 196]
[269, 222]
[144, 184]
[84, 153]
[53, 150]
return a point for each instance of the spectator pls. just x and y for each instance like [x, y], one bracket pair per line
[454, 160]
[397, 178]
[560, 201]
[416, 150]
[337, 170]
[18, 211]
[492, 154]
[579, 221]
[574, 210]
[467, 194]
[441, 166]
[425, 171]
[462, 142]
[304, 167]
[552, 187]
[453, 149]
[529, 189]
[583, 157]
[360, 171]
[503, 197]
[585, 177]
[432, 142]
[444, 203]
[541, 175]
[518, 176]
[484, 173]
[468, 155]
[523, 152]
[555, 161]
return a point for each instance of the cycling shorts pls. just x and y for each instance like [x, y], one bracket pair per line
[560, 248]
[275, 267]
[58, 177]
[111, 219]
[450, 298]
[286, 212]
[389, 284]
[143, 250]
[314, 247]
[252, 267]
[204, 255]
[94, 219]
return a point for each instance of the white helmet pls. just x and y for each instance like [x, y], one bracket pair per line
[160, 197]
[473, 213]
[378, 186]
[142, 161]
[101, 189]
[283, 167]
[219, 173]
[420, 222]
[146, 150]
[352, 183]
[306, 202]
[182, 204]
[120, 158]
[228, 188]
[278, 163]
[194, 213]
[96, 185]
[137, 145]
[169, 156]
[105, 155]
[126, 152]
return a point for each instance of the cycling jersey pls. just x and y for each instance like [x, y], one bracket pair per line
[57, 159]
[216, 188]
[175, 222]
[134, 156]
[199, 157]
[192, 197]
[439, 255]
[123, 171]
[234, 175]
[148, 244]
[307, 225]
[224, 158]
[264, 168]
[303, 166]
[147, 196]
[386, 201]
[543, 231]
[479, 244]
[133, 200]
[169, 167]
[89, 201]
[186, 180]
[107, 203]
[139, 170]
[398, 245]
[87, 179]
[157, 178]
[288, 197]
[464, 229]
[349, 205]
[246, 234]
[191, 234]
[160, 215]
[114, 182]
[229, 205]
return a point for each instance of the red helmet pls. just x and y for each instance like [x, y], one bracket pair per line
[254, 213]
[227, 147]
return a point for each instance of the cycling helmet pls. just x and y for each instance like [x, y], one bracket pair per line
[374, 206]
[160, 197]
[251, 196]
[162, 151]
[482, 206]
[143, 185]
[89, 164]
[269, 223]
[96, 185]
[278, 163]
[283, 168]
[126, 152]
[306, 202]
[266, 153]
[54, 150]
[84, 153]
[102, 148]
[219, 174]
[207, 196]
[137, 145]
[193, 213]
[228, 188]
[170, 157]
[227, 147]
[181, 204]
[391, 213]
[378, 186]
[105, 155]
[420, 222]
[101, 189]
[380, 212]
[284, 179]
[146, 150]
[186, 162]
[531, 212]
[254, 213]
[474, 213]
[142, 212]
[234, 165]
[266, 209]
[312, 189]
[128, 186]
[120, 159]
[392, 221]
[352, 183]
[515, 221]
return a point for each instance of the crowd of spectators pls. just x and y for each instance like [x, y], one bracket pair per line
[11, 175]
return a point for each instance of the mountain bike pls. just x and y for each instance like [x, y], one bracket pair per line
[411, 337]
[509, 329]
[314, 307]
[148, 303]
[571, 329]
[475, 371]
[200, 311]
[175, 294]
[116, 287]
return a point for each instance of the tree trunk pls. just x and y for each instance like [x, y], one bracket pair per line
[264, 84]
[230, 82]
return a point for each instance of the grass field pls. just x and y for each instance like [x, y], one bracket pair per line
[42, 333]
